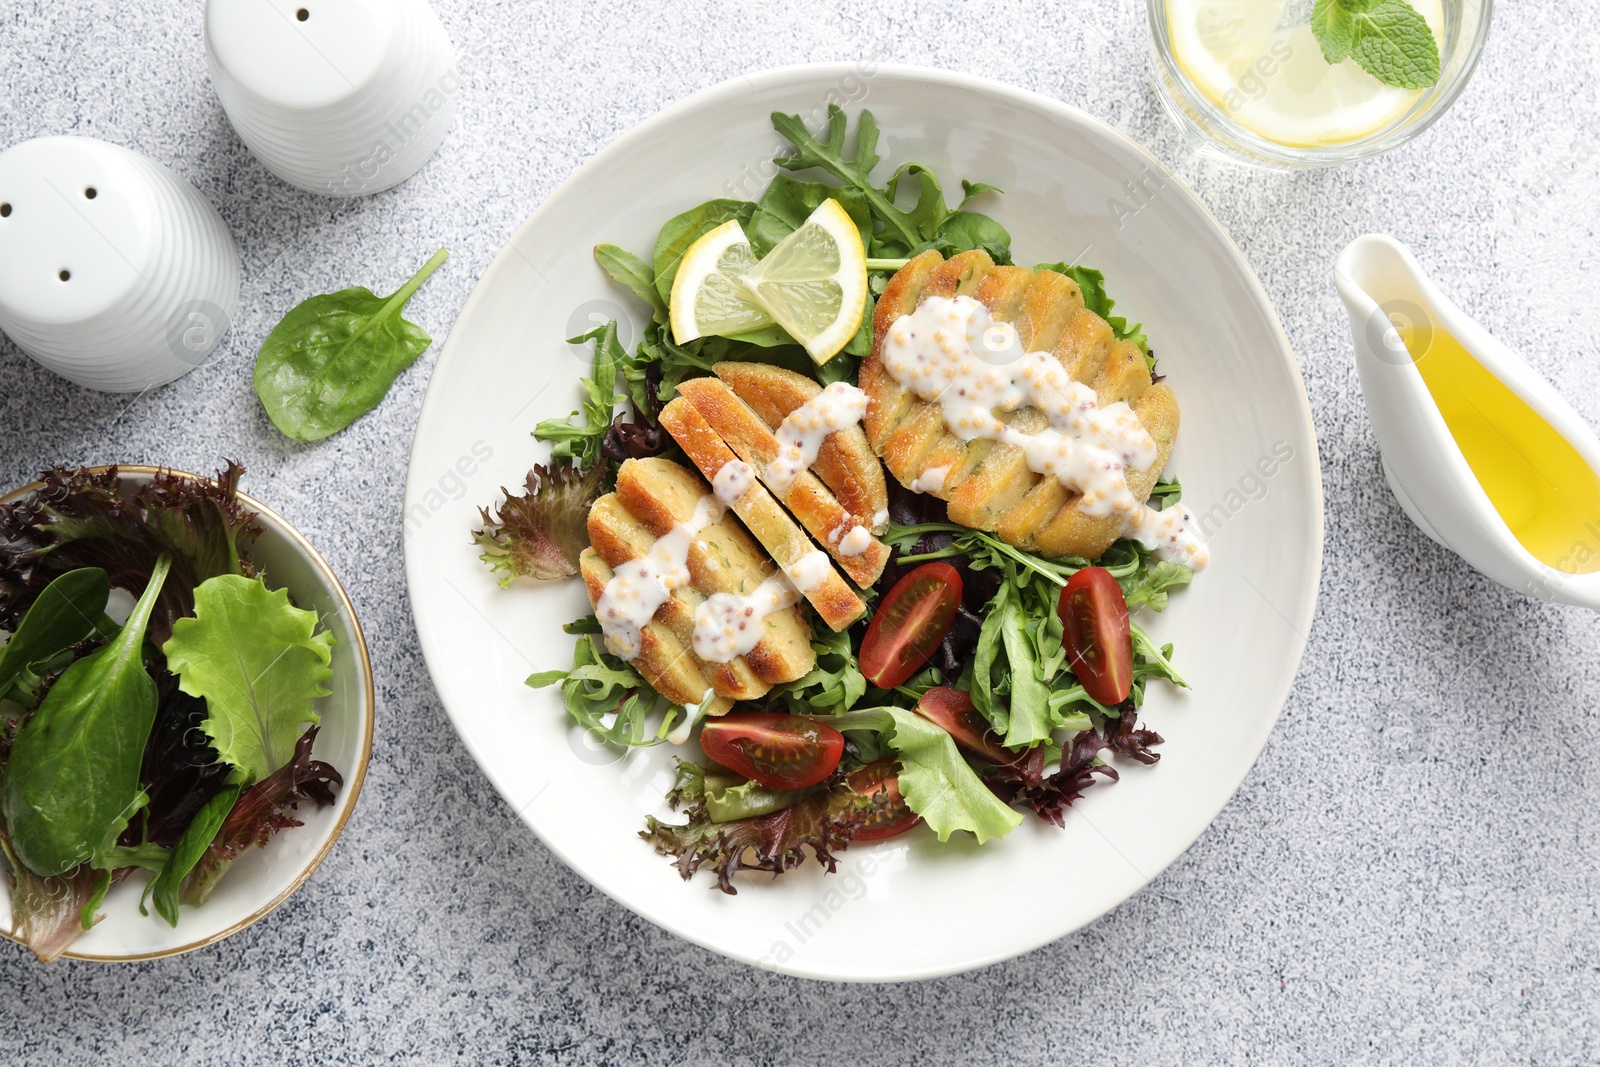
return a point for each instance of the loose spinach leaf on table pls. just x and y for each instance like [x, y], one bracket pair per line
[67, 612]
[334, 357]
[72, 783]
[260, 664]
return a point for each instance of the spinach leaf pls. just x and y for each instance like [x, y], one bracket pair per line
[332, 359]
[164, 888]
[65, 613]
[259, 663]
[788, 202]
[683, 230]
[635, 273]
[72, 783]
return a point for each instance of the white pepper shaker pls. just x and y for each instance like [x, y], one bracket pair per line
[339, 97]
[115, 273]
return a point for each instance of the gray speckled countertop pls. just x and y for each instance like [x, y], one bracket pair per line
[1408, 875]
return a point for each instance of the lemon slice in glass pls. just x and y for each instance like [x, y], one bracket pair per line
[814, 283]
[708, 299]
[1265, 70]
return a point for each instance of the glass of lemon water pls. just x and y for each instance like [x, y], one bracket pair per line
[1307, 83]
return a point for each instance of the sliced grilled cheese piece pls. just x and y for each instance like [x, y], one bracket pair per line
[655, 500]
[845, 536]
[845, 462]
[787, 543]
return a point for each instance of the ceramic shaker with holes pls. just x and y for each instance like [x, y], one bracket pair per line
[115, 273]
[339, 97]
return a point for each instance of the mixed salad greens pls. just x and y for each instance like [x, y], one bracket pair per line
[1007, 709]
[171, 741]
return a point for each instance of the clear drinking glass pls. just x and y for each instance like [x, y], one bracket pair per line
[1247, 79]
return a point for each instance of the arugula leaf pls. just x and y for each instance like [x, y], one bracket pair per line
[581, 443]
[64, 614]
[939, 785]
[1149, 588]
[1028, 719]
[72, 783]
[333, 358]
[600, 685]
[260, 664]
[834, 684]
[541, 533]
[635, 273]
[683, 230]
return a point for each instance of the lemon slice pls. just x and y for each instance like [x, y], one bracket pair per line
[708, 299]
[814, 283]
[1271, 78]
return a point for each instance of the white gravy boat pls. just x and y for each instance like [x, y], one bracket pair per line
[1383, 286]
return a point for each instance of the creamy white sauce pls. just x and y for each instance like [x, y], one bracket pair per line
[800, 437]
[809, 571]
[857, 541]
[733, 480]
[727, 625]
[951, 353]
[880, 517]
[691, 715]
[639, 587]
[930, 480]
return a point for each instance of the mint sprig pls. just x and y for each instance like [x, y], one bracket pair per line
[1389, 39]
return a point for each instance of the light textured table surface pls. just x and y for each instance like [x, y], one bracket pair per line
[1409, 874]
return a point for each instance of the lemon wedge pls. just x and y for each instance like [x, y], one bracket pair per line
[708, 298]
[1265, 71]
[813, 284]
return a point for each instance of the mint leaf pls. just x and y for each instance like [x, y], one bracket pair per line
[1334, 29]
[1394, 44]
[260, 664]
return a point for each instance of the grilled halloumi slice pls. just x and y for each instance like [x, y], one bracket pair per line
[846, 536]
[653, 498]
[787, 543]
[987, 484]
[845, 463]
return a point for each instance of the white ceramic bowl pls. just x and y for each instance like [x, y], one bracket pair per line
[908, 907]
[262, 878]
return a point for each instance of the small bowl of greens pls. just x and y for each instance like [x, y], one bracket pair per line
[186, 711]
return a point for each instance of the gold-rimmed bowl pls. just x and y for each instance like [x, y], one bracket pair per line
[263, 878]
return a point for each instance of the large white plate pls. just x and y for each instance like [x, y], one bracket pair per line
[1075, 189]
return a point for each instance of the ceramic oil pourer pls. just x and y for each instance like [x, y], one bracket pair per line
[114, 272]
[340, 97]
[1483, 454]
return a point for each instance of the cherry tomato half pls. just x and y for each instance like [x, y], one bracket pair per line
[952, 709]
[881, 777]
[779, 751]
[1099, 640]
[910, 623]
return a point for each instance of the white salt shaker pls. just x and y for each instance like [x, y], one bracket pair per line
[339, 97]
[115, 273]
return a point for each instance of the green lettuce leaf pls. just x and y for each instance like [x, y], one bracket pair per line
[260, 664]
[940, 786]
